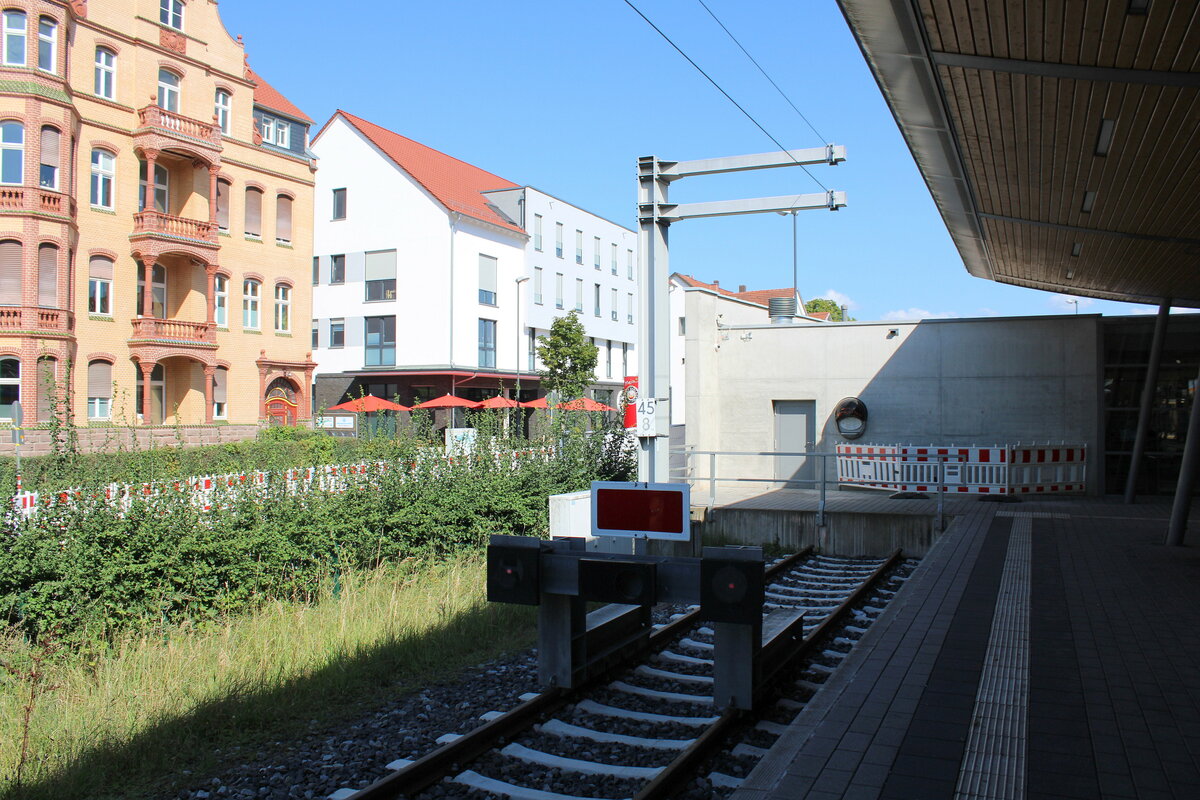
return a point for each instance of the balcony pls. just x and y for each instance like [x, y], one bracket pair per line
[34, 318]
[173, 334]
[155, 234]
[24, 200]
[159, 129]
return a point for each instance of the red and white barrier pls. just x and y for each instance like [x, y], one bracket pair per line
[1003, 470]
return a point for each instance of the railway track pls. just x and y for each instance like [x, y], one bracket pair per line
[649, 729]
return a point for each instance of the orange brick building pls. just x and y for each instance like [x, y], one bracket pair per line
[155, 220]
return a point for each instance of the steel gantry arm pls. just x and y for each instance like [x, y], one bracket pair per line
[655, 215]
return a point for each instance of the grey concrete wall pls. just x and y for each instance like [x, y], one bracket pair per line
[964, 382]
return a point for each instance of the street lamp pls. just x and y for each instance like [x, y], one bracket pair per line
[1073, 302]
[519, 281]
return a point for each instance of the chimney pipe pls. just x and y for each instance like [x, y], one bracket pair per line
[742, 289]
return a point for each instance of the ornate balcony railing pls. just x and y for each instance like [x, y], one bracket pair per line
[155, 222]
[174, 124]
[19, 198]
[34, 318]
[174, 329]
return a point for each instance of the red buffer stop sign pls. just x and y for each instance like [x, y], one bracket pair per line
[653, 510]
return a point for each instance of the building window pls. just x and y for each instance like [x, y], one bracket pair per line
[10, 386]
[48, 172]
[579, 294]
[537, 232]
[224, 189]
[380, 274]
[251, 290]
[629, 304]
[596, 252]
[103, 171]
[337, 333]
[558, 290]
[158, 392]
[683, 326]
[170, 13]
[222, 106]
[168, 91]
[596, 298]
[487, 343]
[47, 45]
[100, 387]
[613, 263]
[11, 272]
[337, 269]
[221, 301]
[12, 153]
[608, 359]
[316, 270]
[100, 273]
[537, 285]
[614, 305]
[283, 308]
[158, 291]
[578, 247]
[339, 203]
[624, 358]
[14, 38]
[254, 198]
[381, 341]
[220, 393]
[487, 280]
[316, 335]
[629, 264]
[558, 239]
[532, 349]
[105, 80]
[283, 219]
[48, 276]
[161, 186]
[276, 131]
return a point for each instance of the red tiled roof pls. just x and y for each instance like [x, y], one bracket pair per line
[762, 296]
[268, 96]
[712, 287]
[456, 184]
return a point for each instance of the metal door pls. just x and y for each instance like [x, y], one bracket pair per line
[795, 431]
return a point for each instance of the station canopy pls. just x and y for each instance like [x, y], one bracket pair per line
[1060, 141]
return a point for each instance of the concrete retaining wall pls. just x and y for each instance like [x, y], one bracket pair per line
[92, 440]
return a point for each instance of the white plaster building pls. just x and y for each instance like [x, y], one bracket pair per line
[431, 275]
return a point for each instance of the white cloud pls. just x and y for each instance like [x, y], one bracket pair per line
[917, 313]
[988, 312]
[839, 298]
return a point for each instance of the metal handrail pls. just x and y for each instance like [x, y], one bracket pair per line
[820, 483]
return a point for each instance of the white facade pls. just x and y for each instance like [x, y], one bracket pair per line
[594, 271]
[452, 270]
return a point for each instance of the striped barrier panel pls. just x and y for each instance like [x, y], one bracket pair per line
[1047, 469]
[999, 470]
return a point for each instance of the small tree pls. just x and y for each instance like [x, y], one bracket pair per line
[569, 358]
[836, 314]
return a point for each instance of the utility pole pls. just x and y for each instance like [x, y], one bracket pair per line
[655, 215]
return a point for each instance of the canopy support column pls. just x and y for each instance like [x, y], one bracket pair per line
[1177, 527]
[1143, 426]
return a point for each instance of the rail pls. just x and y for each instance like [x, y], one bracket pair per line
[934, 473]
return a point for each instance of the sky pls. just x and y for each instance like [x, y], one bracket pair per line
[565, 95]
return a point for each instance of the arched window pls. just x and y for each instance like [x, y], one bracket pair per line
[14, 38]
[220, 393]
[103, 174]
[48, 276]
[47, 45]
[47, 387]
[161, 184]
[168, 90]
[251, 293]
[10, 386]
[283, 308]
[100, 388]
[223, 190]
[100, 274]
[221, 301]
[158, 291]
[11, 255]
[12, 153]
[222, 108]
[105, 83]
[50, 158]
[283, 219]
[254, 199]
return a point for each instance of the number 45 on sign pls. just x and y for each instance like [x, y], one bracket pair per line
[647, 409]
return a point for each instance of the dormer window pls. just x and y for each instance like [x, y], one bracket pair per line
[276, 131]
[170, 13]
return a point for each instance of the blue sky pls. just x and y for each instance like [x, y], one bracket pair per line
[565, 95]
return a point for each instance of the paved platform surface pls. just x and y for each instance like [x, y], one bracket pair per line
[1043, 649]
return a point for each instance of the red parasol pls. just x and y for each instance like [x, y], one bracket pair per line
[498, 402]
[585, 404]
[539, 403]
[447, 401]
[368, 404]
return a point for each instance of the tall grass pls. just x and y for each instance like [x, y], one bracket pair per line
[157, 703]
